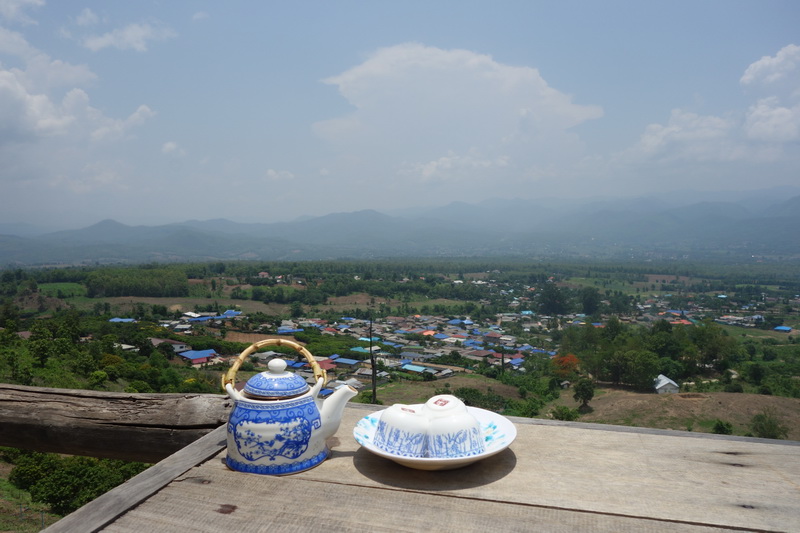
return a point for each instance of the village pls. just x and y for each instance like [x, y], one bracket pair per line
[414, 344]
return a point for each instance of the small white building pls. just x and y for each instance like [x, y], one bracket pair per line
[663, 385]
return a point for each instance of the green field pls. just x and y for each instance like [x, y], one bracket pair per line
[63, 290]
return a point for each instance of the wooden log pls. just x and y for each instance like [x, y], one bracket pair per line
[132, 427]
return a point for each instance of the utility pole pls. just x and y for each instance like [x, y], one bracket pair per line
[372, 361]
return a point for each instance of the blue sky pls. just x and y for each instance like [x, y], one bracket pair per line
[162, 111]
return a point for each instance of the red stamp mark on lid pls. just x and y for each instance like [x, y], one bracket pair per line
[441, 402]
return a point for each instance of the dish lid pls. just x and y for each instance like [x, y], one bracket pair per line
[277, 383]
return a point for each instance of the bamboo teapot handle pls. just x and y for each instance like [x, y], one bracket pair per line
[230, 376]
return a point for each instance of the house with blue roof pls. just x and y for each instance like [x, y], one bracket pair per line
[344, 362]
[393, 344]
[288, 331]
[361, 349]
[199, 357]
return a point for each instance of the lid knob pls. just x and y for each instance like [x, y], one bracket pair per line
[276, 366]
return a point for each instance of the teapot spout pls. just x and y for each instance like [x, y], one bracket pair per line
[333, 408]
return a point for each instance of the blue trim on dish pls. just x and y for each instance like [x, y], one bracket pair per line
[367, 428]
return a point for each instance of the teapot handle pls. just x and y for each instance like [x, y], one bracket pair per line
[230, 376]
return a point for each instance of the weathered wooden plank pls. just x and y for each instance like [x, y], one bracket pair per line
[227, 501]
[556, 477]
[97, 513]
[133, 427]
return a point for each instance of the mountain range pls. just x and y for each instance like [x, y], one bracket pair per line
[724, 226]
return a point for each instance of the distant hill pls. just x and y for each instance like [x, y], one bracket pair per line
[546, 228]
[789, 208]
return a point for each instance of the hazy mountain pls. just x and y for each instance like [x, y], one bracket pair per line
[22, 229]
[788, 208]
[641, 227]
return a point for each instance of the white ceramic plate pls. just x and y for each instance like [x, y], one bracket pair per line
[498, 432]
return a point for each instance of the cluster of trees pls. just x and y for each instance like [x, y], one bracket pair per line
[535, 388]
[77, 351]
[156, 282]
[66, 483]
[634, 355]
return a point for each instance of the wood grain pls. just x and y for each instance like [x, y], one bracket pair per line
[132, 427]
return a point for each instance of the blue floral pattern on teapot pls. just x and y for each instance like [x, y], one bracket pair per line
[267, 430]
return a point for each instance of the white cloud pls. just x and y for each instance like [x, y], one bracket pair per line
[87, 17]
[200, 15]
[114, 129]
[48, 128]
[451, 166]
[91, 177]
[24, 115]
[14, 44]
[171, 147]
[433, 114]
[132, 37]
[688, 135]
[40, 72]
[769, 70]
[44, 73]
[14, 10]
[761, 133]
[769, 121]
[278, 175]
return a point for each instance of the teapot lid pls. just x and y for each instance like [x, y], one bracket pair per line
[277, 383]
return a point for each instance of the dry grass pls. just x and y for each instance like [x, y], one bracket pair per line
[693, 411]
[685, 411]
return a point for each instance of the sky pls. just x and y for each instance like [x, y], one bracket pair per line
[153, 112]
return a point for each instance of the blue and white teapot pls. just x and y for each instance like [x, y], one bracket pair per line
[278, 424]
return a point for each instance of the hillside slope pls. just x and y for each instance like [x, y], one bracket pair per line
[696, 411]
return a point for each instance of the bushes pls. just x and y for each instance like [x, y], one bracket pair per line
[475, 398]
[722, 428]
[767, 426]
[70, 482]
[562, 412]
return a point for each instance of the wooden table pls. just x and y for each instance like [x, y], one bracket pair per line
[557, 476]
